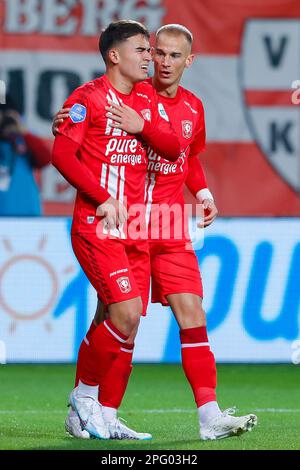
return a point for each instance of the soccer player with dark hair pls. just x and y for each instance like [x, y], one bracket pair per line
[176, 279]
[107, 166]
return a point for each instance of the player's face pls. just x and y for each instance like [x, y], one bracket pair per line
[171, 55]
[134, 57]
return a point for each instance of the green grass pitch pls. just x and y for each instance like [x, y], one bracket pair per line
[158, 400]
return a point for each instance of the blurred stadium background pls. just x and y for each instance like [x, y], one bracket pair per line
[247, 56]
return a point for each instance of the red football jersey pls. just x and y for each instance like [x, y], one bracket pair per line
[165, 180]
[118, 160]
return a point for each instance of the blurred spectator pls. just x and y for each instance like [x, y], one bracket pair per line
[20, 154]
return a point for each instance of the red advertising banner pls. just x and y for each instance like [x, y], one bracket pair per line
[247, 57]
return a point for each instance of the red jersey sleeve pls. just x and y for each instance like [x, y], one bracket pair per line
[76, 124]
[195, 180]
[199, 141]
[65, 160]
[160, 135]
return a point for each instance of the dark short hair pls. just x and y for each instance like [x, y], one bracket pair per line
[120, 31]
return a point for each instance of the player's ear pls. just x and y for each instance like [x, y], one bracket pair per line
[114, 56]
[152, 52]
[189, 60]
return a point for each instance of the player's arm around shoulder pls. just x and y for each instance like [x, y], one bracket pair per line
[159, 132]
[59, 118]
[154, 130]
[75, 116]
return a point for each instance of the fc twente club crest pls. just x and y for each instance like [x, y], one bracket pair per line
[124, 284]
[187, 129]
[146, 113]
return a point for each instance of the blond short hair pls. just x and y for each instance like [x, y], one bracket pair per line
[176, 29]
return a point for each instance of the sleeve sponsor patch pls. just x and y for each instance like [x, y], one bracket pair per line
[162, 112]
[77, 113]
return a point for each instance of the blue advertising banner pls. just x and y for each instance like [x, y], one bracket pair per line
[250, 270]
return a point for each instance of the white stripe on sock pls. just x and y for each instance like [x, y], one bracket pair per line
[114, 334]
[193, 345]
[86, 341]
[126, 350]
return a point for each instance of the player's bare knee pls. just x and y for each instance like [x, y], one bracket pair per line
[190, 313]
[132, 321]
[132, 314]
[195, 315]
[192, 318]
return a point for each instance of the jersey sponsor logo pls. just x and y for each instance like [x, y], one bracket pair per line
[124, 151]
[121, 146]
[120, 159]
[124, 284]
[187, 129]
[162, 112]
[158, 165]
[119, 271]
[192, 109]
[77, 113]
[144, 96]
[146, 113]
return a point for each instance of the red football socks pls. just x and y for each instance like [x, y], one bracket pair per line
[199, 364]
[104, 348]
[112, 390]
[84, 351]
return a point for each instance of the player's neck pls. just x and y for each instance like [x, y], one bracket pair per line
[119, 82]
[163, 90]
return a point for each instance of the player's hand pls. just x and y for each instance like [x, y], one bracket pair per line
[113, 212]
[210, 213]
[125, 118]
[59, 117]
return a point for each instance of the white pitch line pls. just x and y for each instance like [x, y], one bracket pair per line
[31, 412]
[158, 411]
[277, 410]
[178, 410]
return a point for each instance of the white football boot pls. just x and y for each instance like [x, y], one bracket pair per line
[73, 427]
[90, 414]
[118, 430]
[226, 425]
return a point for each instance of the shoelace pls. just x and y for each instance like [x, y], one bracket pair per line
[97, 409]
[118, 425]
[229, 411]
